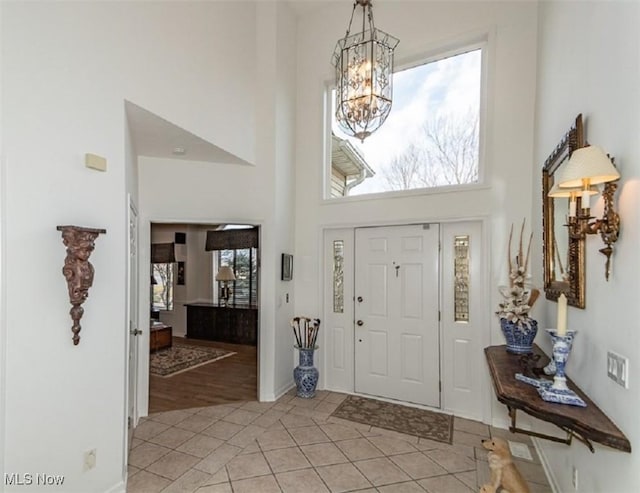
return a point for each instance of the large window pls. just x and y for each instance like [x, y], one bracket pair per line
[430, 139]
[243, 262]
[162, 286]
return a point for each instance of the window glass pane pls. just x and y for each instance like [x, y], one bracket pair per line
[242, 269]
[243, 262]
[461, 281]
[430, 139]
[338, 276]
[163, 288]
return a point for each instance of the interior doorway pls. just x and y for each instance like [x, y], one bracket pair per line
[203, 332]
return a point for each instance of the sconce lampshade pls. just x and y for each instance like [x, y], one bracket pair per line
[558, 193]
[225, 273]
[587, 163]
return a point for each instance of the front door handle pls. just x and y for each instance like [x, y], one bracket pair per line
[136, 332]
[360, 323]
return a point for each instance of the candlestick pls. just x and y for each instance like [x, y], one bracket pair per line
[559, 391]
[562, 315]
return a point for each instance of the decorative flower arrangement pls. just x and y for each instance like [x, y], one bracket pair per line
[518, 296]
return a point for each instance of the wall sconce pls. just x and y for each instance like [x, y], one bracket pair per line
[570, 193]
[224, 275]
[591, 166]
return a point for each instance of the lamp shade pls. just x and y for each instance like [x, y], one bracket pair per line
[587, 163]
[225, 273]
[557, 193]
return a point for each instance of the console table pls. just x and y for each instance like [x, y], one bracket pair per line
[235, 324]
[587, 424]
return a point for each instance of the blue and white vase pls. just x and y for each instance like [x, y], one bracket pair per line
[305, 375]
[519, 339]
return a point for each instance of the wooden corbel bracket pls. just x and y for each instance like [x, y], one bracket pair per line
[77, 269]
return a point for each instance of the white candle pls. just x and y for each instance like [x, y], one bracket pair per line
[562, 315]
[585, 199]
[572, 205]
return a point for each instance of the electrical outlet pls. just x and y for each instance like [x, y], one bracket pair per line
[574, 479]
[89, 460]
[618, 368]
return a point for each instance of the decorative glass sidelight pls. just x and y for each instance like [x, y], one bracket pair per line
[461, 281]
[338, 276]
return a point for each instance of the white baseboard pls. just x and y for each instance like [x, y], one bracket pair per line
[281, 391]
[120, 487]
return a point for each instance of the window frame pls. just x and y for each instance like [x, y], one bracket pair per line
[253, 280]
[482, 43]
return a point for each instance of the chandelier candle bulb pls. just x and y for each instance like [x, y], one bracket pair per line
[562, 315]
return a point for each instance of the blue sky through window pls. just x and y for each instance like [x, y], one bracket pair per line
[446, 90]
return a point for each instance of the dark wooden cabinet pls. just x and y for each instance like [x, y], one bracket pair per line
[238, 325]
[159, 337]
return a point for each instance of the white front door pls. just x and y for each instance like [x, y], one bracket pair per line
[132, 309]
[396, 312]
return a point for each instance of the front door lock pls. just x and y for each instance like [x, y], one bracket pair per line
[360, 323]
[136, 332]
[359, 299]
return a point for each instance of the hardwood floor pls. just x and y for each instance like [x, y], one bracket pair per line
[230, 379]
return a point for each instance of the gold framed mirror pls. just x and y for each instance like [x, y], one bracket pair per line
[564, 256]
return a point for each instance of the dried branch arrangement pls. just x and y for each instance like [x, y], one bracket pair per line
[518, 296]
[305, 330]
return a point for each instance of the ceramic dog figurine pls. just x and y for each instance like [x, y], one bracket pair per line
[487, 488]
[504, 472]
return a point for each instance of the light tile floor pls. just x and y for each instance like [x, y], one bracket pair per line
[293, 445]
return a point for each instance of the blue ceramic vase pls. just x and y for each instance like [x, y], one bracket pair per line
[305, 375]
[519, 340]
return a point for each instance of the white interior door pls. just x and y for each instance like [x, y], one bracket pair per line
[396, 312]
[132, 309]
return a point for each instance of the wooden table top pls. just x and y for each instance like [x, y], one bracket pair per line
[589, 422]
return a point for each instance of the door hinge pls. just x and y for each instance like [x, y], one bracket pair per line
[439, 316]
[440, 386]
[129, 420]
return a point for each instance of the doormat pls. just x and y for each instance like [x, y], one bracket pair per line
[180, 358]
[403, 419]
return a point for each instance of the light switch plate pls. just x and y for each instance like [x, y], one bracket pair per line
[96, 162]
[618, 368]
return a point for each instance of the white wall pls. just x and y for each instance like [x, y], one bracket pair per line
[262, 194]
[589, 63]
[67, 69]
[423, 28]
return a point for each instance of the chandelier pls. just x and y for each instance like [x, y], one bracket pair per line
[364, 70]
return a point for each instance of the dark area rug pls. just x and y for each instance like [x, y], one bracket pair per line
[403, 419]
[180, 358]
